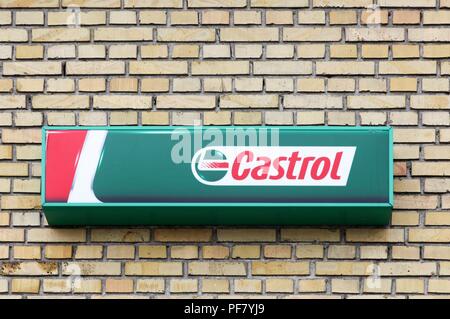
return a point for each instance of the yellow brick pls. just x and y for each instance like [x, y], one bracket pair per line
[57, 285]
[280, 268]
[407, 269]
[88, 286]
[29, 268]
[407, 67]
[60, 118]
[30, 85]
[343, 268]
[410, 285]
[58, 252]
[184, 18]
[123, 118]
[343, 51]
[60, 85]
[32, 68]
[154, 51]
[341, 252]
[186, 118]
[375, 51]
[122, 17]
[152, 251]
[6, 85]
[29, 52]
[123, 51]
[183, 235]
[118, 285]
[282, 68]
[373, 252]
[345, 286]
[281, 85]
[328, 235]
[155, 85]
[372, 85]
[60, 35]
[409, 253]
[430, 101]
[123, 34]
[407, 185]
[217, 118]
[247, 118]
[13, 169]
[436, 252]
[279, 17]
[20, 202]
[92, 3]
[373, 118]
[249, 101]
[5, 18]
[92, 85]
[339, 118]
[120, 252]
[246, 235]
[150, 285]
[26, 185]
[27, 252]
[345, 68]
[377, 285]
[184, 252]
[403, 84]
[122, 102]
[312, 285]
[89, 252]
[436, 51]
[215, 17]
[248, 35]
[428, 35]
[415, 202]
[155, 118]
[153, 268]
[414, 135]
[185, 101]
[309, 251]
[405, 51]
[13, 35]
[215, 286]
[185, 35]
[72, 18]
[215, 252]
[186, 85]
[61, 51]
[247, 286]
[312, 34]
[277, 251]
[97, 67]
[248, 50]
[216, 4]
[280, 285]
[310, 118]
[279, 118]
[246, 252]
[341, 3]
[217, 268]
[220, 67]
[91, 268]
[60, 101]
[158, 67]
[342, 17]
[120, 235]
[25, 285]
[185, 51]
[183, 285]
[56, 235]
[431, 168]
[435, 85]
[404, 118]
[429, 235]
[123, 85]
[91, 51]
[374, 34]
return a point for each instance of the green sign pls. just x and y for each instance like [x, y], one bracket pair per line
[217, 175]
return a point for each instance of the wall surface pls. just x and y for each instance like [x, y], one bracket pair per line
[228, 62]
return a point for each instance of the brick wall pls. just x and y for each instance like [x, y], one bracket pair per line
[228, 62]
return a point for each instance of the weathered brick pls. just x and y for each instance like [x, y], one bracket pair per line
[183, 235]
[150, 268]
[245, 235]
[216, 268]
[280, 268]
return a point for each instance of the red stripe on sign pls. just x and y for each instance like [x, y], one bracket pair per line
[62, 153]
[214, 165]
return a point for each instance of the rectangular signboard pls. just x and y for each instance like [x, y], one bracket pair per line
[217, 175]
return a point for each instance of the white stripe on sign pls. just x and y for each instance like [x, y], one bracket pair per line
[82, 186]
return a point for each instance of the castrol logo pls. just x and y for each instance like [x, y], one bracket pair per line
[273, 166]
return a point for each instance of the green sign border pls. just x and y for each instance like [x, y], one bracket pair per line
[127, 214]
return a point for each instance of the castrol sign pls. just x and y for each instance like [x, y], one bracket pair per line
[276, 166]
[217, 175]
